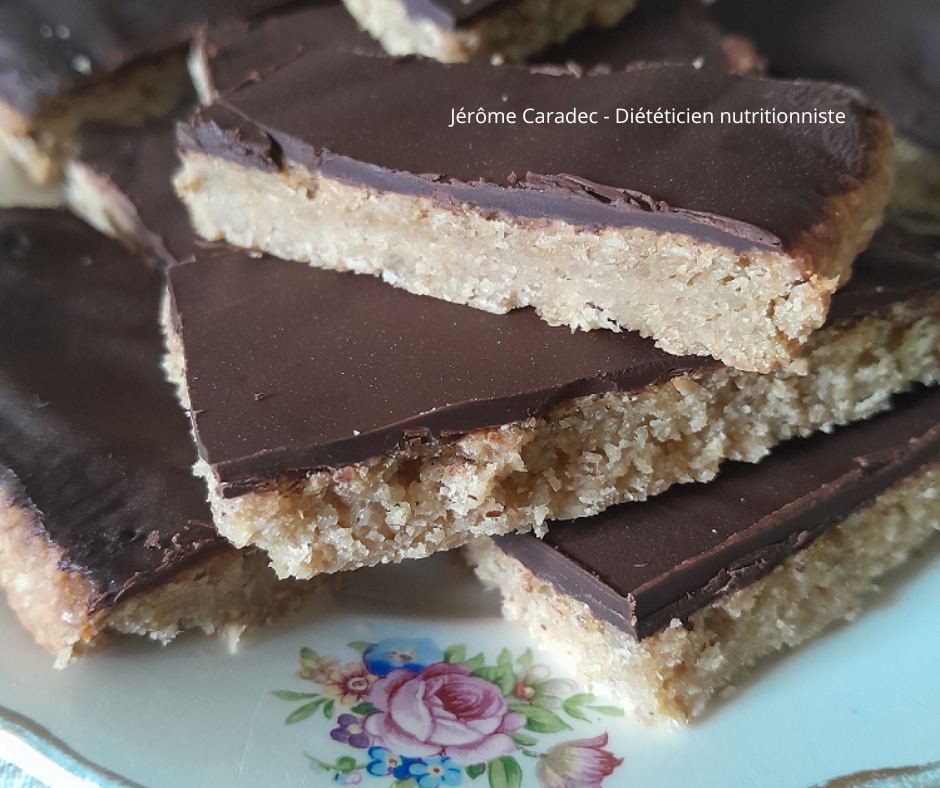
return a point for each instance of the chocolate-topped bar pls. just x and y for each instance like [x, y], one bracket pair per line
[454, 31]
[103, 529]
[891, 50]
[225, 57]
[714, 238]
[437, 422]
[63, 62]
[658, 31]
[668, 602]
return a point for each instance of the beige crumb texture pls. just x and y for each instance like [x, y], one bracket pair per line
[675, 673]
[42, 142]
[585, 455]
[752, 311]
[224, 594]
[519, 30]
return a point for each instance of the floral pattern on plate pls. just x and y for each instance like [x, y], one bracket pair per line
[424, 717]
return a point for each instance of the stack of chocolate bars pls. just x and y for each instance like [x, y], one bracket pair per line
[552, 311]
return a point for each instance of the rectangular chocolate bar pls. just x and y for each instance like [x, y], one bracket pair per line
[667, 603]
[342, 422]
[65, 62]
[103, 528]
[715, 238]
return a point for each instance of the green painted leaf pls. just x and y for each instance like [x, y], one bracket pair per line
[455, 654]
[309, 653]
[500, 675]
[525, 659]
[476, 770]
[346, 764]
[475, 663]
[523, 739]
[539, 720]
[363, 708]
[408, 782]
[302, 712]
[610, 711]
[505, 657]
[328, 709]
[359, 645]
[573, 710]
[505, 772]
[288, 695]
[581, 699]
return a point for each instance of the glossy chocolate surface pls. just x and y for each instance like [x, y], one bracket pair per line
[238, 54]
[655, 31]
[88, 425]
[49, 47]
[888, 48]
[293, 368]
[639, 565]
[387, 127]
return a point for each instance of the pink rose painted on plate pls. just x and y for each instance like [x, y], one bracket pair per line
[443, 710]
[428, 717]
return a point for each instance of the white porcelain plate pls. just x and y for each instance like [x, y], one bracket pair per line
[285, 709]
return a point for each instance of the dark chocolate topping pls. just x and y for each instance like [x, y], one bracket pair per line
[639, 565]
[655, 31]
[292, 368]
[49, 47]
[140, 162]
[243, 53]
[387, 124]
[88, 424]
[888, 48]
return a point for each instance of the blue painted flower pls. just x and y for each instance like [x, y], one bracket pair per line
[349, 731]
[384, 762]
[401, 653]
[433, 772]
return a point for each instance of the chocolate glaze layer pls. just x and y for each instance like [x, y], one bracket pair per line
[91, 435]
[292, 368]
[639, 565]
[49, 47]
[656, 31]
[387, 126]
[238, 54]
[888, 48]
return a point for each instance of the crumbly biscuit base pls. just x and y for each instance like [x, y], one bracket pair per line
[750, 311]
[521, 29]
[675, 673]
[42, 142]
[225, 593]
[585, 455]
